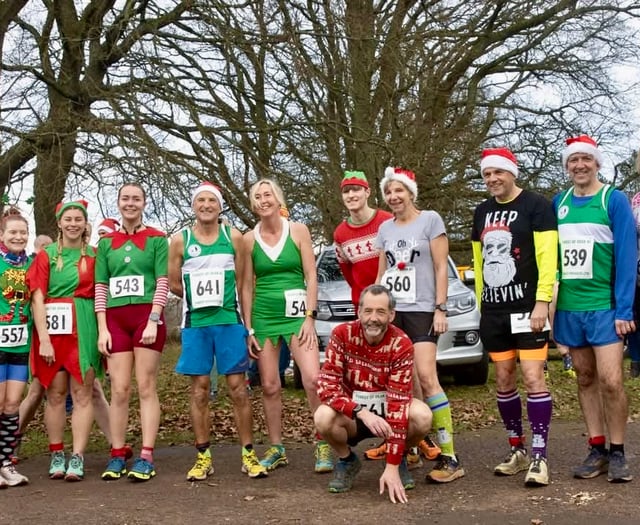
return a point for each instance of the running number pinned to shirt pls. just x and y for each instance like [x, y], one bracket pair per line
[207, 287]
[521, 323]
[127, 286]
[375, 402]
[12, 335]
[577, 258]
[59, 318]
[295, 303]
[401, 284]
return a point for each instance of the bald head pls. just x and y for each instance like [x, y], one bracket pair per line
[40, 242]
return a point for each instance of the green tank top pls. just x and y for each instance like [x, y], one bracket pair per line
[586, 252]
[209, 281]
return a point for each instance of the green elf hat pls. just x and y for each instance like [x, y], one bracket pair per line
[64, 206]
[354, 178]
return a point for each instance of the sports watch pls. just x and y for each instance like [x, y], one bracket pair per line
[154, 317]
[442, 307]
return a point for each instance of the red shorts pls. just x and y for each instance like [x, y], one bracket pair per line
[126, 324]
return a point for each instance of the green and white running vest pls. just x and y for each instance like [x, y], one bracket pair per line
[209, 281]
[586, 253]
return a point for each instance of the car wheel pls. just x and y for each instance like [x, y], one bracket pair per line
[473, 374]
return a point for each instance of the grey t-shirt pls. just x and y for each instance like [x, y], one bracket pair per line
[410, 244]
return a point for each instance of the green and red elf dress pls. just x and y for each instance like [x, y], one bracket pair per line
[15, 300]
[68, 289]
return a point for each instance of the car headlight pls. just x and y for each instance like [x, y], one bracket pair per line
[461, 303]
[324, 311]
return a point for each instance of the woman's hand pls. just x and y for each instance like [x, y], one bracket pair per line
[253, 346]
[47, 353]
[150, 333]
[307, 336]
[104, 343]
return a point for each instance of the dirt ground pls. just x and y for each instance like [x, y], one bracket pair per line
[295, 495]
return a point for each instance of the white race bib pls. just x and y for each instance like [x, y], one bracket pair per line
[401, 284]
[521, 323]
[13, 335]
[375, 402]
[126, 286]
[59, 318]
[295, 303]
[207, 287]
[577, 258]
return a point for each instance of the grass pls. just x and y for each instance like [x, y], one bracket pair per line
[472, 407]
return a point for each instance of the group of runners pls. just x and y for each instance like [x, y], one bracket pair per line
[244, 296]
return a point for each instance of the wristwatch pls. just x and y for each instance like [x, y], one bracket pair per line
[442, 307]
[311, 313]
[356, 411]
[154, 317]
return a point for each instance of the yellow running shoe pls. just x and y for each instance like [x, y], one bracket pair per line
[251, 465]
[202, 468]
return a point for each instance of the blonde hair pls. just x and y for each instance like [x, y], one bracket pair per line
[275, 188]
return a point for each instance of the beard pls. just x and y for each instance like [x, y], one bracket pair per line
[499, 274]
[374, 331]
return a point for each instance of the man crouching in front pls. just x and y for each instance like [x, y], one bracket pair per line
[365, 388]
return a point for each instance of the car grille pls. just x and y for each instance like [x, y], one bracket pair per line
[342, 311]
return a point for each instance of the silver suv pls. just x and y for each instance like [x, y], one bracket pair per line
[460, 352]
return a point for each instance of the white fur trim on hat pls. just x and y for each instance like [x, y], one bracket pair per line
[212, 188]
[498, 162]
[581, 146]
[400, 175]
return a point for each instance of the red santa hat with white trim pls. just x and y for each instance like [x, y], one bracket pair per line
[108, 225]
[499, 158]
[581, 144]
[212, 188]
[406, 177]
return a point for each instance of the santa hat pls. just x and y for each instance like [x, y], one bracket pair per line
[354, 178]
[406, 177]
[81, 205]
[207, 186]
[108, 225]
[499, 158]
[581, 144]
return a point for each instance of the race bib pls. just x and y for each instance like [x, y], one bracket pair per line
[13, 335]
[207, 288]
[577, 258]
[375, 402]
[401, 284]
[127, 286]
[295, 303]
[521, 323]
[59, 318]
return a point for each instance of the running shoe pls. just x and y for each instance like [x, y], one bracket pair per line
[142, 470]
[274, 457]
[538, 474]
[446, 470]
[343, 475]
[567, 366]
[428, 448]
[515, 461]
[116, 468]
[75, 469]
[203, 467]
[618, 468]
[251, 466]
[413, 459]
[378, 452]
[595, 463]
[57, 466]
[405, 475]
[3, 483]
[128, 452]
[12, 477]
[324, 457]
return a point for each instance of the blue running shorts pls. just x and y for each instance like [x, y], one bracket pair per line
[228, 343]
[578, 329]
